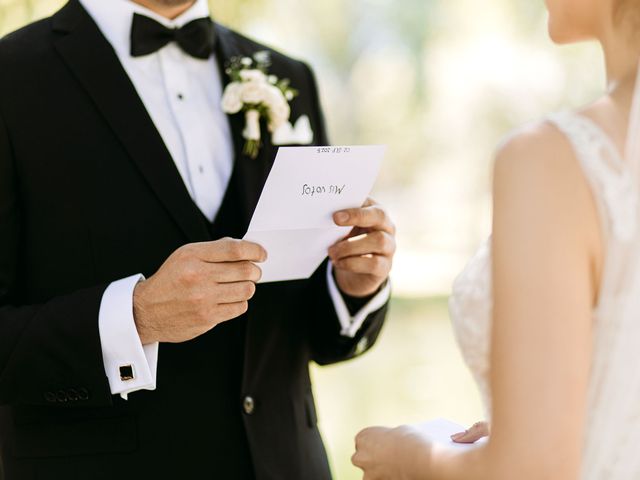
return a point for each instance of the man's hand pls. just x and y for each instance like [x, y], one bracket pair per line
[199, 286]
[363, 260]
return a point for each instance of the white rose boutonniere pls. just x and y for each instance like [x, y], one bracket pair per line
[259, 95]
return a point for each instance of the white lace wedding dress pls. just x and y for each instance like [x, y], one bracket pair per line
[612, 443]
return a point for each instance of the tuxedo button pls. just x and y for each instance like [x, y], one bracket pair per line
[50, 397]
[249, 405]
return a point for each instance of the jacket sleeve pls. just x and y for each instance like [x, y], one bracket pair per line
[50, 353]
[327, 344]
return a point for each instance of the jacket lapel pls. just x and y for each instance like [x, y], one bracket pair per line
[250, 174]
[96, 66]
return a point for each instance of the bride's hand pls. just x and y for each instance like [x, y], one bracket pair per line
[392, 454]
[472, 435]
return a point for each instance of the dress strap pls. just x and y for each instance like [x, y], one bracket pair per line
[609, 175]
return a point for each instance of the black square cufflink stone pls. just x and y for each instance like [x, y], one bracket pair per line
[126, 373]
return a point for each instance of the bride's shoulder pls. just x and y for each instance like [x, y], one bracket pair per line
[559, 143]
[537, 150]
[538, 175]
[539, 185]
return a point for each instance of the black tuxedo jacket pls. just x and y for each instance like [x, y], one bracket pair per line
[89, 194]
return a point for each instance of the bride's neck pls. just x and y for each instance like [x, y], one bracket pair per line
[622, 57]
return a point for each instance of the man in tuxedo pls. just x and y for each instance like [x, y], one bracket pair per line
[134, 342]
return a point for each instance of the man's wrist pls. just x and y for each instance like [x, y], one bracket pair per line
[356, 303]
[367, 293]
[146, 333]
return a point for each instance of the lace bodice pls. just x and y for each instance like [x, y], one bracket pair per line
[615, 191]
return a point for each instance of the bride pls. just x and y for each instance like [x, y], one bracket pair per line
[548, 312]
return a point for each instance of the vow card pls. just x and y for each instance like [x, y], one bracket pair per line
[294, 217]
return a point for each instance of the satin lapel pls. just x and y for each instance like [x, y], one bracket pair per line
[249, 173]
[96, 66]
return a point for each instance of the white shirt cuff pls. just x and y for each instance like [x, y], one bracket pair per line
[351, 324]
[129, 365]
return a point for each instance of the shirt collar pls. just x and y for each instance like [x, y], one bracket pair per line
[114, 19]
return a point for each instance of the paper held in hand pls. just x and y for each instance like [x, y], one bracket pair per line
[294, 217]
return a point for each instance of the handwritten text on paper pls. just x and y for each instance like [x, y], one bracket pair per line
[312, 190]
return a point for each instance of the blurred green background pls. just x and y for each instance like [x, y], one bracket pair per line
[440, 82]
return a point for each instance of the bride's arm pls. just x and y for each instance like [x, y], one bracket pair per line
[546, 251]
[546, 262]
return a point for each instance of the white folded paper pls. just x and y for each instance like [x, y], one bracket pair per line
[439, 431]
[294, 217]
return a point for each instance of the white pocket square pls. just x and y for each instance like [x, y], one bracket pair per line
[300, 134]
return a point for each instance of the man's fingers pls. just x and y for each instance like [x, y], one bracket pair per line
[376, 265]
[229, 311]
[227, 250]
[232, 272]
[378, 243]
[235, 292]
[372, 216]
[231, 250]
[223, 313]
[475, 433]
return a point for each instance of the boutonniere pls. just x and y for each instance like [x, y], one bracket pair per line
[261, 95]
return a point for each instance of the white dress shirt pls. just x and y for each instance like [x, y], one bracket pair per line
[183, 96]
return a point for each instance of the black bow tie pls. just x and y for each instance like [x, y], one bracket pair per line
[197, 38]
